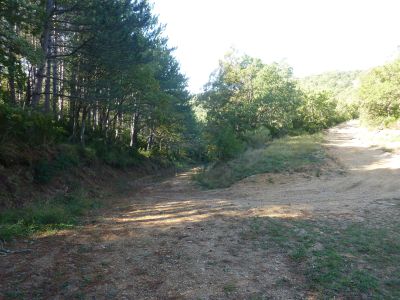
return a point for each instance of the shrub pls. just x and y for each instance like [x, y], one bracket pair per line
[120, 158]
[257, 138]
[31, 128]
[317, 111]
[67, 156]
[224, 144]
[43, 171]
[88, 154]
[380, 93]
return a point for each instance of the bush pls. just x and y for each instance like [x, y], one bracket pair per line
[318, 110]
[67, 156]
[257, 138]
[88, 154]
[224, 144]
[380, 94]
[31, 128]
[120, 158]
[43, 172]
[27, 136]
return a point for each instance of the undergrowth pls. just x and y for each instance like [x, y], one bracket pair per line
[61, 212]
[67, 156]
[45, 148]
[286, 154]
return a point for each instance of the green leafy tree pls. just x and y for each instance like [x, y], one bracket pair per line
[317, 111]
[380, 93]
[244, 94]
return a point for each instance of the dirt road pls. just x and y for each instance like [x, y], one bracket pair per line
[173, 240]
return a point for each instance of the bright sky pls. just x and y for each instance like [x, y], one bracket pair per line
[312, 36]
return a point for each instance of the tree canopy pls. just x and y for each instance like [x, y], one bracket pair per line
[380, 93]
[101, 67]
[246, 97]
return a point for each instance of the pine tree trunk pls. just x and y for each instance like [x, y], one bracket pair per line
[28, 88]
[83, 126]
[11, 84]
[45, 48]
[55, 80]
[150, 140]
[61, 91]
[134, 131]
[47, 87]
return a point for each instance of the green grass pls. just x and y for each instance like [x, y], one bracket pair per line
[337, 260]
[60, 213]
[229, 288]
[282, 155]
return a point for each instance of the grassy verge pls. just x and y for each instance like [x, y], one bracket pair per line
[61, 213]
[285, 154]
[350, 261]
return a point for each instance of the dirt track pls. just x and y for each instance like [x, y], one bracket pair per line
[175, 241]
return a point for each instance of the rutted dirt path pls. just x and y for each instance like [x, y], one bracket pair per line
[173, 240]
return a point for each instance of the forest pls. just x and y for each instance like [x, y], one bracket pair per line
[93, 102]
[100, 74]
[100, 71]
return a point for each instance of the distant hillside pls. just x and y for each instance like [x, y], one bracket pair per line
[343, 85]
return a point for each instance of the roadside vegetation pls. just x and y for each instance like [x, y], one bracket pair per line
[289, 154]
[380, 94]
[248, 103]
[46, 180]
[343, 259]
[259, 119]
[61, 212]
[253, 115]
[343, 87]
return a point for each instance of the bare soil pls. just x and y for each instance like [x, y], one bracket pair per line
[173, 240]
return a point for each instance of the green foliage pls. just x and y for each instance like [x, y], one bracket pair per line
[342, 85]
[245, 94]
[60, 213]
[249, 102]
[317, 111]
[229, 288]
[30, 127]
[24, 134]
[286, 154]
[225, 144]
[257, 138]
[17, 17]
[88, 155]
[380, 93]
[118, 75]
[121, 158]
[66, 157]
[36, 140]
